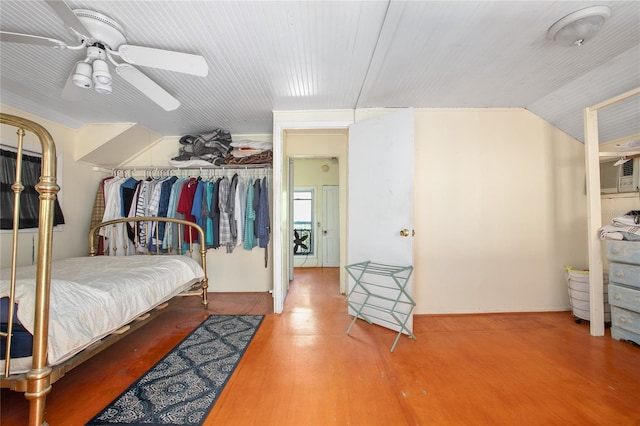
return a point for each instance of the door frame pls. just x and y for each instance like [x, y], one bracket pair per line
[280, 227]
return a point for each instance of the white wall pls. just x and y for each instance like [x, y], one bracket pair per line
[499, 209]
[78, 189]
[499, 203]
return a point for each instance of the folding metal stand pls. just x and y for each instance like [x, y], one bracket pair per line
[380, 294]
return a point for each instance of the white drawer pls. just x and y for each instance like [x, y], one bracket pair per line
[624, 274]
[624, 297]
[625, 319]
[623, 251]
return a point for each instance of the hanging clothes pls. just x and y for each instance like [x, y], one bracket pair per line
[214, 214]
[231, 203]
[256, 204]
[163, 188]
[263, 221]
[263, 227]
[239, 210]
[142, 211]
[225, 227]
[206, 213]
[233, 211]
[185, 203]
[127, 193]
[116, 239]
[172, 207]
[97, 213]
[249, 219]
[196, 206]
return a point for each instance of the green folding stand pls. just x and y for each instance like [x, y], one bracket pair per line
[380, 296]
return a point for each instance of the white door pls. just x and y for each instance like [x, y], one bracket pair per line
[380, 201]
[330, 226]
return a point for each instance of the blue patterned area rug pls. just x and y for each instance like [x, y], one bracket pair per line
[183, 386]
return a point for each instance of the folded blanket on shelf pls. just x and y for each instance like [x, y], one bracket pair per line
[252, 144]
[625, 227]
[612, 232]
[631, 218]
[245, 152]
[265, 157]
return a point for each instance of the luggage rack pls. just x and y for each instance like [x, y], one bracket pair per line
[380, 293]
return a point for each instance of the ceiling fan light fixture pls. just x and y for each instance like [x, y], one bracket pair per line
[578, 27]
[103, 89]
[101, 74]
[101, 37]
[82, 75]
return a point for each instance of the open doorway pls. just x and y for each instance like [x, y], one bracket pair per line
[316, 159]
[315, 212]
[330, 135]
[303, 139]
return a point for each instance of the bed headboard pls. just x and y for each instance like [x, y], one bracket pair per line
[38, 378]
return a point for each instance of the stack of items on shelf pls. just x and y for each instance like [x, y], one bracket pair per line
[625, 227]
[216, 148]
[203, 150]
[250, 152]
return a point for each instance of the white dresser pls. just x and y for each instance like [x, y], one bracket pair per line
[624, 289]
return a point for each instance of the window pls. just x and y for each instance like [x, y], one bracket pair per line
[303, 234]
[29, 198]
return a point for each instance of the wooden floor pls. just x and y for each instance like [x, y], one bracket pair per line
[302, 368]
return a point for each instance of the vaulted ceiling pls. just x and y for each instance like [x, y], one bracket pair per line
[266, 56]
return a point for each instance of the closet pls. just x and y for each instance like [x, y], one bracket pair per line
[238, 266]
[594, 212]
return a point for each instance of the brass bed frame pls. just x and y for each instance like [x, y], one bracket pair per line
[36, 383]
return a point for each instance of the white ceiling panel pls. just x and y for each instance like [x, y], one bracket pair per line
[310, 55]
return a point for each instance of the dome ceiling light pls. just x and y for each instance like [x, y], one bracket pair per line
[578, 27]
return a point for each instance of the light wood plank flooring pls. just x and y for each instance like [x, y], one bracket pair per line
[302, 368]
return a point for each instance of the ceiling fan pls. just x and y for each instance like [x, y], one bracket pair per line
[104, 43]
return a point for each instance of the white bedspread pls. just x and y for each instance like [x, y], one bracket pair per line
[93, 296]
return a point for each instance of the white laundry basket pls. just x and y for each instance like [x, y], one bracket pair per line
[578, 287]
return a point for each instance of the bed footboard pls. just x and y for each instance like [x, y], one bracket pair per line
[152, 235]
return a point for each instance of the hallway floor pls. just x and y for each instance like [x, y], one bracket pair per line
[303, 369]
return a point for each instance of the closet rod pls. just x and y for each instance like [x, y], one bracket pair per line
[179, 169]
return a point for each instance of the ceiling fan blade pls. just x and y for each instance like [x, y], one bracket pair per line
[68, 17]
[148, 87]
[31, 39]
[164, 59]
